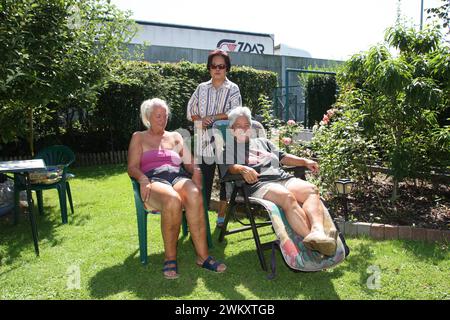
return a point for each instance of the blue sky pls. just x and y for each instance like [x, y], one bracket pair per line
[328, 29]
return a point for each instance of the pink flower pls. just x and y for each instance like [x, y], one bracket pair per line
[325, 119]
[330, 112]
[291, 122]
[286, 141]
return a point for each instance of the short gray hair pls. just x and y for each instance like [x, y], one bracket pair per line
[239, 112]
[147, 108]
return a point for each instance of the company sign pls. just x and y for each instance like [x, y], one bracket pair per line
[239, 46]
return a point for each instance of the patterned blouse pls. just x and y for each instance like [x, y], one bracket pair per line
[209, 101]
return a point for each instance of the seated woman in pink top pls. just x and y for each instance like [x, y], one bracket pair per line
[155, 159]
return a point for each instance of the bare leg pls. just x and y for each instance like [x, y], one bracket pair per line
[222, 208]
[307, 194]
[164, 198]
[192, 200]
[294, 213]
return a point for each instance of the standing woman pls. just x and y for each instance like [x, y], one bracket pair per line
[212, 101]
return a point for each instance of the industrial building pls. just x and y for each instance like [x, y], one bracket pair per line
[173, 43]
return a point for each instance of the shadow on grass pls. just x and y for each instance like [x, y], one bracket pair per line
[99, 172]
[361, 257]
[18, 238]
[430, 252]
[243, 279]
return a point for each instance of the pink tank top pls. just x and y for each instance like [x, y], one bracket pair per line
[152, 159]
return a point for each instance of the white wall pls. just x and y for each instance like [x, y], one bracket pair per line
[202, 39]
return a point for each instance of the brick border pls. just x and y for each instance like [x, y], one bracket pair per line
[379, 231]
[393, 232]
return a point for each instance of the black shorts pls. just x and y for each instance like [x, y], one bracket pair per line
[168, 175]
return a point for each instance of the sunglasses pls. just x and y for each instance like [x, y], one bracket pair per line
[218, 66]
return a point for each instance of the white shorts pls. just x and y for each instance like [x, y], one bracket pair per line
[261, 192]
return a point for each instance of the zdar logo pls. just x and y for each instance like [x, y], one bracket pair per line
[231, 45]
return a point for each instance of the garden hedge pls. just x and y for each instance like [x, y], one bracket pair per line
[108, 125]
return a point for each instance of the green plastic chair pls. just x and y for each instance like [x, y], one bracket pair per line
[57, 155]
[142, 215]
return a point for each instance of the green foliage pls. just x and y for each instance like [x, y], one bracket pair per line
[59, 57]
[265, 112]
[320, 96]
[320, 92]
[179, 83]
[108, 124]
[394, 105]
[117, 112]
[343, 150]
[252, 84]
[54, 52]
[441, 14]
[285, 134]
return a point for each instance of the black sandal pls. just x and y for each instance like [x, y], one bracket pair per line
[212, 264]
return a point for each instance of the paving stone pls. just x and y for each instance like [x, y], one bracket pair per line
[377, 231]
[350, 229]
[390, 232]
[363, 228]
[419, 234]
[446, 236]
[434, 235]
[404, 232]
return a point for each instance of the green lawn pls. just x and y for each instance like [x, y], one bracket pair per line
[101, 242]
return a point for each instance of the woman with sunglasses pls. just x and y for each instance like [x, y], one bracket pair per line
[212, 101]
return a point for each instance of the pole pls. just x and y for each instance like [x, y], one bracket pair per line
[421, 14]
[286, 90]
[345, 208]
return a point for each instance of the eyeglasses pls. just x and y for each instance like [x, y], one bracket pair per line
[218, 66]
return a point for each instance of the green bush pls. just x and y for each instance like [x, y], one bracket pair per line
[320, 96]
[341, 146]
[253, 83]
[391, 104]
[175, 82]
[52, 53]
[108, 124]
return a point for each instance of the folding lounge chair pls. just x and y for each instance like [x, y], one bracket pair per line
[295, 254]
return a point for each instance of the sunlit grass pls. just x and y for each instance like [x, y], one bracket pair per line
[100, 244]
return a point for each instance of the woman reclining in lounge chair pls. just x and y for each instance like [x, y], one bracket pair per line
[258, 161]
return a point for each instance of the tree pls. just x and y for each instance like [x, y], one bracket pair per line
[441, 13]
[54, 52]
[403, 96]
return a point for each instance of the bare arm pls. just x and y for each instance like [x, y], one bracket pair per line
[134, 165]
[134, 157]
[291, 160]
[249, 174]
[188, 160]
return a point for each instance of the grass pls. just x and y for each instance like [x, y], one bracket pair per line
[100, 242]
